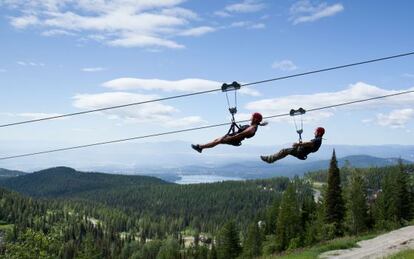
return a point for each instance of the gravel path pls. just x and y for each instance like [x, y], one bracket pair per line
[379, 247]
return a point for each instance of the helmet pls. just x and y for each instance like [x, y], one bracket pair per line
[320, 131]
[257, 117]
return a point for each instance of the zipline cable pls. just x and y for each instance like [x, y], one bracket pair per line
[202, 127]
[204, 92]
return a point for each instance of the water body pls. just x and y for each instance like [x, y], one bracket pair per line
[201, 178]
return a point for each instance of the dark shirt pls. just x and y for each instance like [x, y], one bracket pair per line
[317, 142]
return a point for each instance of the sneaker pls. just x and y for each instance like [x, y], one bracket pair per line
[267, 159]
[197, 148]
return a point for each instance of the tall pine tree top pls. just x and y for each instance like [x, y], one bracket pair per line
[334, 202]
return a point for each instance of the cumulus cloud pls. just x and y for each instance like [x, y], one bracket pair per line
[151, 112]
[249, 91]
[306, 11]
[248, 25]
[93, 69]
[24, 21]
[51, 33]
[284, 65]
[198, 31]
[354, 92]
[30, 63]
[121, 23]
[184, 85]
[186, 122]
[246, 6]
[396, 118]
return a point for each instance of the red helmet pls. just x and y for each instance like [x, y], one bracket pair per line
[257, 117]
[320, 131]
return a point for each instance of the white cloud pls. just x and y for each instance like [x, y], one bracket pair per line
[249, 91]
[122, 23]
[2, 70]
[186, 122]
[222, 14]
[257, 26]
[247, 24]
[305, 11]
[284, 65]
[137, 40]
[354, 92]
[152, 112]
[184, 85]
[396, 118]
[23, 21]
[246, 6]
[51, 33]
[198, 31]
[30, 63]
[145, 112]
[93, 69]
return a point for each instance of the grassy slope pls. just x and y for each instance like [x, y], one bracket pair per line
[336, 244]
[407, 254]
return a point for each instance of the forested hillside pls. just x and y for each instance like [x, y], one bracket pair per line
[64, 181]
[198, 206]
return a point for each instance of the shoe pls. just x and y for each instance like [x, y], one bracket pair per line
[197, 148]
[267, 159]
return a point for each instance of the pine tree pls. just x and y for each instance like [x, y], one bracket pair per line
[253, 243]
[393, 205]
[403, 193]
[228, 242]
[288, 228]
[334, 202]
[356, 205]
[271, 217]
[213, 252]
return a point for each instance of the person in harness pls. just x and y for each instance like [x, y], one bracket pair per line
[300, 150]
[235, 138]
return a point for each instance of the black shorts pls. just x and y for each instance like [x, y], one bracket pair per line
[299, 153]
[228, 141]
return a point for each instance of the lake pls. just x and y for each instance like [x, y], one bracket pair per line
[201, 178]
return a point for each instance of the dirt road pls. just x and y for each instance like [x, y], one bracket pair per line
[379, 247]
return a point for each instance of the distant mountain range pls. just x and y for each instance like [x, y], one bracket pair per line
[4, 173]
[258, 169]
[137, 158]
[246, 169]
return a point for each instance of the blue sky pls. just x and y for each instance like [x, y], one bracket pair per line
[71, 55]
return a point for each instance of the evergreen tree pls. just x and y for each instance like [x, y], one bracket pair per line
[403, 193]
[356, 205]
[393, 206]
[271, 217]
[253, 243]
[228, 242]
[288, 228]
[334, 212]
[213, 252]
[169, 250]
